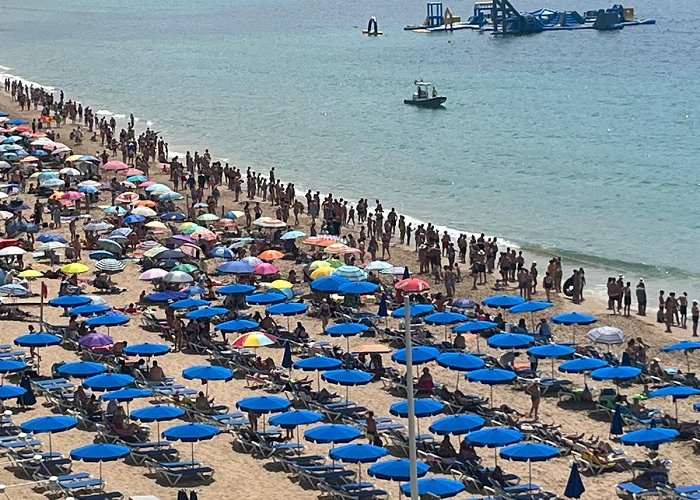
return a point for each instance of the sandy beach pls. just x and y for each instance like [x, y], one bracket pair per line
[240, 475]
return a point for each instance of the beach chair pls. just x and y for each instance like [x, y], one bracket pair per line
[352, 491]
[288, 462]
[631, 491]
[313, 475]
[175, 473]
[76, 487]
[436, 462]
[50, 483]
[161, 451]
[112, 495]
[592, 464]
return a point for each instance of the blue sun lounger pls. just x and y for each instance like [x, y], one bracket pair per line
[632, 491]
[173, 473]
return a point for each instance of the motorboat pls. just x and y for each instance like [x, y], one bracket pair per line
[425, 96]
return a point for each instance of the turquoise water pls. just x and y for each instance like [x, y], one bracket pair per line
[580, 143]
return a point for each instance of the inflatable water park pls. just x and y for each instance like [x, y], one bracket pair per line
[500, 17]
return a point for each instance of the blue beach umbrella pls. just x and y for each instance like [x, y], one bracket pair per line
[287, 361]
[530, 307]
[295, 418]
[222, 253]
[81, 369]
[422, 408]
[264, 404]
[616, 373]
[235, 267]
[358, 288]
[397, 470]
[292, 235]
[89, 310]
[383, 310]
[475, 327]
[420, 355]
[134, 219]
[49, 237]
[650, 438]
[191, 433]
[158, 414]
[332, 434]
[417, 310]
[108, 320]
[207, 374]
[236, 326]
[265, 298]
[126, 395]
[444, 319]
[574, 319]
[494, 437]
[510, 341]
[49, 425]
[318, 364]
[491, 377]
[582, 365]
[358, 454]
[435, 488]
[173, 217]
[529, 452]
[503, 301]
[346, 330]
[165, 296]
[100, 453]
[288, 309]
[11, 366]
[70, 301]
[235, 289]
[330, 284]
[460, 362]
[574, 486]
[347, 378]
[11, 392]
[676, 392]
[147, 350]
[686, 347]
[189, 303]
[100, 255]
[108, 382]
[551, 351]
[38, 340]
[457, 424]
[207, 313]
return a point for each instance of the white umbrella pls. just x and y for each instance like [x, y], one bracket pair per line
[12, 250]
[177, 277]
[607, 335]
[144, 211]
[50, 245]
[110, 265]
[269, 222]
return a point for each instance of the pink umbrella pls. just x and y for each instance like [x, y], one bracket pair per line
[73, 195]
[146, 184]
[131, 171]
[153, 274]
[191, 250]
[204, 234]
[115, 165]
[266, 269]
[93, 340]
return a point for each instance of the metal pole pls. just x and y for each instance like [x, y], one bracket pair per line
[411, 406]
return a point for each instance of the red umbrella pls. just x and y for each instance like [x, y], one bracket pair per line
[412, 285]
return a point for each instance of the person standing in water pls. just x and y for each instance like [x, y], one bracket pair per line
[641, 292]
[695, 316]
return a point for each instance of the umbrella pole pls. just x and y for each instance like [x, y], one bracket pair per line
[495, 457]
[158, 431]
[51, 446]
[675, 403]
[100, 470]
[687, 361]
[413, 468]
[288, 323]
[192, 443]
[552, 368]
[348, 343]
[359, 472]
[491, 398]
[529, 469]
[457, 384]
[318, 381]
[574, 334]
[478, 349]
[347, 392]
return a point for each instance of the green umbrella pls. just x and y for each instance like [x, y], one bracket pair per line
[185, 268]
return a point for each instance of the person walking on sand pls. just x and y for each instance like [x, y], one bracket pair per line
[668, 314]
[695, 316]
[535, 396]
[548, 284]
[683, 307]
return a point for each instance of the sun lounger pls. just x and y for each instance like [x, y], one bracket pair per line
[113, 495]
[74, 487]
[313, 476]
[352, 491]
[288, 462]
[631, 491]
[161, 451]
[174, 474]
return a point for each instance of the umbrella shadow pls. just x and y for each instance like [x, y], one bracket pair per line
[570, 404]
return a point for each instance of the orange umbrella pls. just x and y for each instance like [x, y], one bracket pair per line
[271, 255]
[320, 241]
[146, 203]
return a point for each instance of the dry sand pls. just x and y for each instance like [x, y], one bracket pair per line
[241, 476]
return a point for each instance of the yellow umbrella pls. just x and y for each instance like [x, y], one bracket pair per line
[72, 158]
[318, 263]
[336, 248]
[281, 284]
[187, 225]
[57, 195]
[75, 268]
[30, 273]
[322, 272]
[153, 252]
[254, 340]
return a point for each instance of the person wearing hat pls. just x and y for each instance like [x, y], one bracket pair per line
[641, 292]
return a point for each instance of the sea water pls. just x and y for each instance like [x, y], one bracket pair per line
[576, 143]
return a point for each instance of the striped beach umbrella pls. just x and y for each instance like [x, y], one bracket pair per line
[110, 265]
